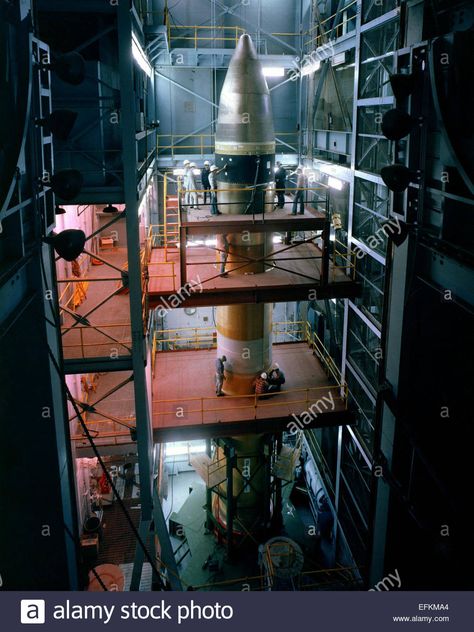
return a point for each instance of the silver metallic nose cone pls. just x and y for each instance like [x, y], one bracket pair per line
[245, 122]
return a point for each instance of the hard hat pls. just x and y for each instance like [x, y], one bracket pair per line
[193, 164]
[213, 168]
[264, 375]
[206, 162]
[186, 162]
[276, 366]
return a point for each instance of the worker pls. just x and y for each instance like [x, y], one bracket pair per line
[185, 180]
[193, 197]
[213, 186]
[223, 249]
[300, 191]
[280, 181]
[276, 378]
[220, 375]
[205, 171]
[261, 384]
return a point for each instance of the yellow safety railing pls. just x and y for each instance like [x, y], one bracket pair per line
[199, 34]
[325, 27]
[307, 397]
[347, 255]
[79, 339]
[202, 144]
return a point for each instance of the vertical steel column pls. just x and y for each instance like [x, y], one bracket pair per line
[278, 508]
[230, 454]
[127, 97]
[209, 524]
[268, 481]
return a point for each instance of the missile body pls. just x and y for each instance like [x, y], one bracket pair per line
[245, 142]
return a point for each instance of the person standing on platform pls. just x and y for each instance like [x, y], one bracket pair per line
[185, 181]
[280, 182]
[205, 171]
[193, 196]
[213, 185]
[300, 191]
[223, 249]
[220, 376]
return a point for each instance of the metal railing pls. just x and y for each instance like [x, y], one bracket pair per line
[203, 406]
[325, 26]
[305, 397]
[204, 144]
[96, 340]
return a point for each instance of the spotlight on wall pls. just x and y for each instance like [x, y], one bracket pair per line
[59, 123]
[402, 85]
[110, 209]
[59, 210]
[396, 177]
[68, 244]
[67, 184]
[70, 68]
[396, 124]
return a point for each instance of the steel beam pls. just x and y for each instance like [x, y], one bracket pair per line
[128, 122]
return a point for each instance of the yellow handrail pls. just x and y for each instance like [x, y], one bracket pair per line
[254, 404]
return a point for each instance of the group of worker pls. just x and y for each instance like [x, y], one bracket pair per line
[208, 175]
[265, 384]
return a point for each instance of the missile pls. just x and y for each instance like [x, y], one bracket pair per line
[245, 142]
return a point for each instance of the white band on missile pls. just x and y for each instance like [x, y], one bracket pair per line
[245, 357]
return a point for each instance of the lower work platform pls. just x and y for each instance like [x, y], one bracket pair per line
[185, 405]
[295, 274]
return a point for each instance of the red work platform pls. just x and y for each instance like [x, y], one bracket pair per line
[301, 274]
[185, 405]
[200, 221]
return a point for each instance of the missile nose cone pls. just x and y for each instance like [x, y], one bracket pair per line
[245, 48]
[245, 121]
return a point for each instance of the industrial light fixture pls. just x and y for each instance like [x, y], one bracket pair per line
[140, 56]
[310, 68]
[70, 68]
[110, 209]
[67, 184]
[59, 123]
[68, 244]
[59, 210]
[397, 237]
[272, 71]
[396, 124]
[334, 183]
[403, 85]
[396, 177]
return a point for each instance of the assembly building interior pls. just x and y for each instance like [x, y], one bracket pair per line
[236, 294]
